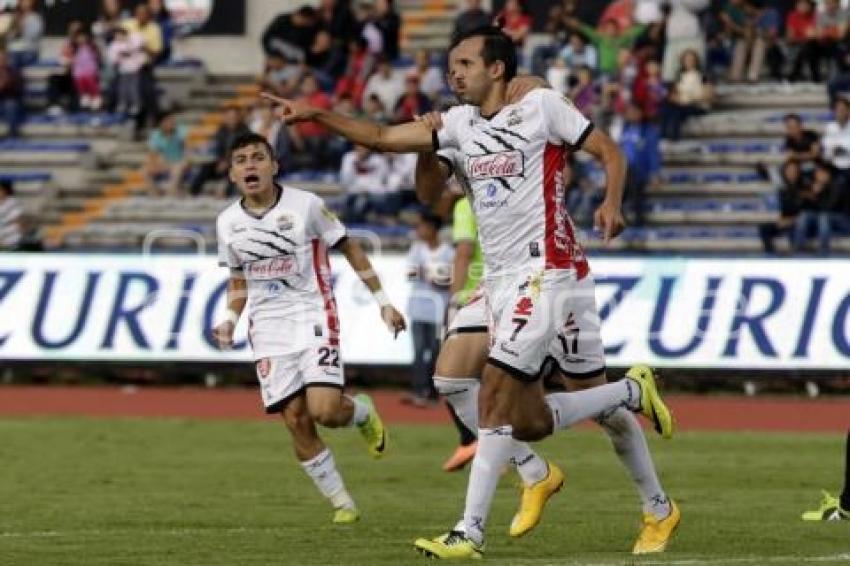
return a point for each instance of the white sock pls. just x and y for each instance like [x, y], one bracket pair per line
[630, 445]
[360, 414]
[570, 408]
[322, 469]
[462, 395]
[495, 446]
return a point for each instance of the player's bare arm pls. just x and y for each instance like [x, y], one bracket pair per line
[609, 216]
[237, 296]
[359, 261]
[402, 138]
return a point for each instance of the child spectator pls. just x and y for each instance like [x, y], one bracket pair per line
[514, 21]
[690, 97]
[166, 161]
[639, 141]
[650, 90]
[86, 70]
[127, 55]
[584, 94]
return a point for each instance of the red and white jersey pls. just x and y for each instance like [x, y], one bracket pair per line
[514, 163]
[283, 256]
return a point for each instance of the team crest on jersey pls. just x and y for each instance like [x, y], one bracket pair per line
[514, 118]
[493, 165]
[285, 222]
[264, 367]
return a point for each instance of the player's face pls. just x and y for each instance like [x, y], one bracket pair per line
[470, 78]
[252, 169]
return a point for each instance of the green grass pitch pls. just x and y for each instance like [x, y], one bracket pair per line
[133, 492]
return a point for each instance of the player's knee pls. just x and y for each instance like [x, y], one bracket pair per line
[532, 428]
[327, 414]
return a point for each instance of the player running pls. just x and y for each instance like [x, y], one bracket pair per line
[457, 377]
[275, 241]
[537, 279]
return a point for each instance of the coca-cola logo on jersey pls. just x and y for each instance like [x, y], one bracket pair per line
[272, 268]
[505, 164]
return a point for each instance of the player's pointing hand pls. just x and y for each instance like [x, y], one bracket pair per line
[608, 218]
[393, 319]
[291, 111]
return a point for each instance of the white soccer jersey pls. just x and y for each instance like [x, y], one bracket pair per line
[514, 163]
[283, 257]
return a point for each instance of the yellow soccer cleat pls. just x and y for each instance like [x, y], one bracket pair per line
[651, 404]
[451, 546]
[534, 499]
[656, 533]
[346, 516]
[830, 510]
[373, 429]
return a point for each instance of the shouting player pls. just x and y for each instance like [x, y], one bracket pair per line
[537, 278]
[275, 241]
[459, 369]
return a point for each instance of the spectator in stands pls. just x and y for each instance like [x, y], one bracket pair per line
[128, 57]
[86, 70]
[801, 40]
[61, 94]
[690, 96]
[819, 205]
[429, 266]
[357, 72]
[472, 17]
[794, 184]
[739, 25]
[373, 108]
[280, 76]
[108, 21]
[836, 142]
[151, 34]
[389, 23]
[412, 103]
[683, 33]
[514, 21]
[802, 146]
[11, 95]
[11, 213]
[311, 138]
[367, 16]
[768, 23]
[161, 15]
[265, 123]
[166, 162]
[232, 127]
[831, 27]
[431, 80]
[387, 84]
[609, 40]
[558, 33]
[24, 38]
[585, 94]
[578, 53]
[338, 21]
[639, 141]
[364, 175]
[292, 35]
[650, 90]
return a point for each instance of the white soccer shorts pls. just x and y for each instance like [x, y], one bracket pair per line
[283, 377]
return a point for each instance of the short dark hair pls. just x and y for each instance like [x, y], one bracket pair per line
[248, 139]
[792, 117]
[7, 187]
[497, 47]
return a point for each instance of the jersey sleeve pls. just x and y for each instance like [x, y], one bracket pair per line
[323, 223]
[463, 222]
[226, 257]
[447, 136]
[563, 120]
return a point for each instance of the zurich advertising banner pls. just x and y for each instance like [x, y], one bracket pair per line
[695, 313]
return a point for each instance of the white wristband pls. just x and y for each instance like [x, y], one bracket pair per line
[382, 298]
[232, 317]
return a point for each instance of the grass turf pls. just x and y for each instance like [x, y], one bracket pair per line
[122, 492]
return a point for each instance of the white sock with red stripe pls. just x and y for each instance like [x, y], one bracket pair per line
[462, 394]
[322, 470]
